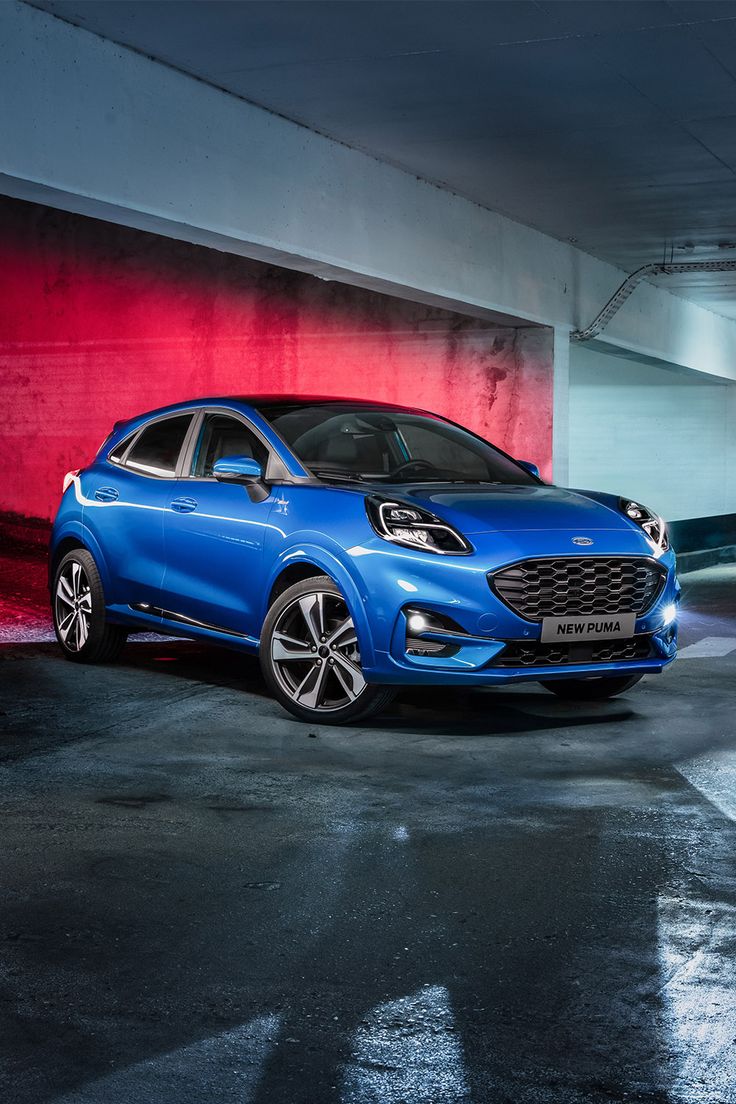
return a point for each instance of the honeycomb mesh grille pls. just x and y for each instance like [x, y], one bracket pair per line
[533, 654]
[569, 586]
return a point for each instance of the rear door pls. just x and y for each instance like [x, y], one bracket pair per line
[215, 532]
[126, 497]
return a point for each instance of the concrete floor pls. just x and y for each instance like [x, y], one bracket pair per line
[493, 898]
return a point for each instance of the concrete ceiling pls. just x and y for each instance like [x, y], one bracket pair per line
[608, 123]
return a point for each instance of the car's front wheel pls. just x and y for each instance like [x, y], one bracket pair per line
[310, 657]
[593, 689]
[78, 607]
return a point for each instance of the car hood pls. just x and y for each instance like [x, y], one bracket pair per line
[499, 509]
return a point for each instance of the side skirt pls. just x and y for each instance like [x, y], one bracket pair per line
[148, 618]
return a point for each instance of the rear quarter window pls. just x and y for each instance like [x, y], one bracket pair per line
[118, 452]
[156, 450]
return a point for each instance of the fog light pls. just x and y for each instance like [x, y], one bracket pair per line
[421, 622]
[416, 623]
[669, 614]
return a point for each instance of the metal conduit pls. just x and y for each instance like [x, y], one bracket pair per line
[619, 297]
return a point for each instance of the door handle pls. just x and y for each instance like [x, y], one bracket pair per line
[184, 505]
[106, 494]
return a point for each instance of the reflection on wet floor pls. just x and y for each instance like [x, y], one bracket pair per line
[237, 1055]
[488, 896]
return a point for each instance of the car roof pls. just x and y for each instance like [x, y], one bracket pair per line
[263, 402]
[309, 400]
[259, 403]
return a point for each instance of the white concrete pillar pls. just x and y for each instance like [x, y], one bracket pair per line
[561, 406]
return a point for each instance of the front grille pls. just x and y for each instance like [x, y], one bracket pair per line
[523, 653]
[582, 585]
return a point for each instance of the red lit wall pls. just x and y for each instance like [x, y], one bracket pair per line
[99, 322]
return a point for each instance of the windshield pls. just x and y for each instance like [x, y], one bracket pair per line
[346, 441]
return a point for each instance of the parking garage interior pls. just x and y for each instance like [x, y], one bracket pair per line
[481, 896]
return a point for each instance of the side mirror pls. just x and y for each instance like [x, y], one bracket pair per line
[237, 469]
[528, 466]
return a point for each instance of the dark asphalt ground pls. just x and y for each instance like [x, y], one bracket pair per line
[489, 897]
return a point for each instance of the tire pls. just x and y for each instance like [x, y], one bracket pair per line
[592, 689]
[78, 609]
[312, 616]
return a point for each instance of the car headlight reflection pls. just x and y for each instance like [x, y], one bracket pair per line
[415, 528]
[652, 524]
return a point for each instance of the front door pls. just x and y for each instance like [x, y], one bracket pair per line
[214, 535]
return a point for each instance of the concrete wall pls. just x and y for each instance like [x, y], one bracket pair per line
[663, 435]
[92, 127]
[99, 322]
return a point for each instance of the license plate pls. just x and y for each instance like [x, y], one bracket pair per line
[606, 626]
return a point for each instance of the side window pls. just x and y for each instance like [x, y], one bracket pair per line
[221, 436]
[157, 449]
[119, 451]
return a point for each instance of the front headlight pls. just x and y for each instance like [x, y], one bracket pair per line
[415, 528]
[653, 525]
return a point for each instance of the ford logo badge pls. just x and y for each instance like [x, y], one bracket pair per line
[582, 540]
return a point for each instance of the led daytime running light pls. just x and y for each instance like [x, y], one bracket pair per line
[413, 527]
[652, 524]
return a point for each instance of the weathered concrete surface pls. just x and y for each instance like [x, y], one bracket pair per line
[491, 897]
[92, 127]
[100, 323]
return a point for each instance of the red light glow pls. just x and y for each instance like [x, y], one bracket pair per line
[101, 322]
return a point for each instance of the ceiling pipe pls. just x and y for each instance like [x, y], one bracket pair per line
[617, 300]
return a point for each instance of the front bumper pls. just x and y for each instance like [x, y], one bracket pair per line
[395, 581]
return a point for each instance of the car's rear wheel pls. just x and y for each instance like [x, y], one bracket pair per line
[593, 689]
[78, 607]
[310, 657]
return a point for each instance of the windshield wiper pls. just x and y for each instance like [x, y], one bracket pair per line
[331, 473]
[475, 482]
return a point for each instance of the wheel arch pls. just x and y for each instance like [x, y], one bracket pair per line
[294, 573]
[75, 536]
[67, 544]
[308, 562]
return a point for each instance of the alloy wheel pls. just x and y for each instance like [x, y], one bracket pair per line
[314, 652]
[73, 606]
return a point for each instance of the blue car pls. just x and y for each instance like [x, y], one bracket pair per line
[357, 547]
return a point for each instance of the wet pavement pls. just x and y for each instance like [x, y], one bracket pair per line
[490, 897]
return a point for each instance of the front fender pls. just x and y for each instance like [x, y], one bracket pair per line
[331, 564]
